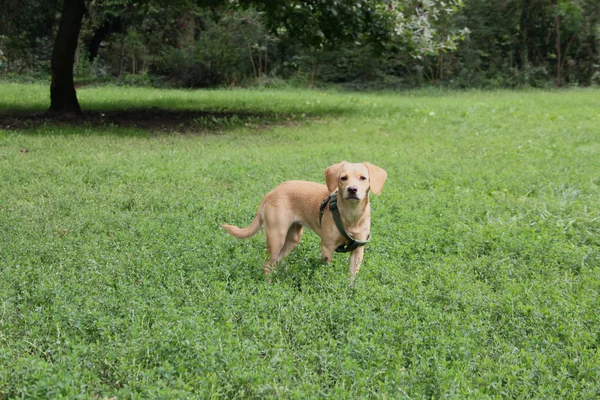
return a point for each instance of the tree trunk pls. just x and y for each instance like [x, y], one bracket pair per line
[109, 26]
[523, 40]
[559, 81]
[97, 39]
[122, 56]
[63, 98]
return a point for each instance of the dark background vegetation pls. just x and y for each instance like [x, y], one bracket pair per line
[469, 43]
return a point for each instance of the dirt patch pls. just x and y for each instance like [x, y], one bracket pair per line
[156, 120]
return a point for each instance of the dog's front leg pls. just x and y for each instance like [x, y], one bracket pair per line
[327, 252]
[356, 258]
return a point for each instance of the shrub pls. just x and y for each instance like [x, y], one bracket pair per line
[229, 51]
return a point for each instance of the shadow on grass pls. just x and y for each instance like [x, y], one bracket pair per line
[147, 120]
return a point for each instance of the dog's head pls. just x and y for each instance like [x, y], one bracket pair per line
[353, 181]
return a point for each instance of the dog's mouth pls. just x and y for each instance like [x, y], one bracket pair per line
[352, 197]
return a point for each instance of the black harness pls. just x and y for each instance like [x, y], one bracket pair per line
[352, 243]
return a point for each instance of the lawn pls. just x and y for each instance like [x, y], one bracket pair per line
[482, 278]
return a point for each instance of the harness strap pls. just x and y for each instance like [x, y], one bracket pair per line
[337, 218]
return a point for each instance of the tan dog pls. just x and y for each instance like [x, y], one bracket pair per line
[285, 210]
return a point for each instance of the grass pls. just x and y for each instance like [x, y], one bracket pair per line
[482, 279]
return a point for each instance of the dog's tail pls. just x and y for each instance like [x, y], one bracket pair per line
[243, 233]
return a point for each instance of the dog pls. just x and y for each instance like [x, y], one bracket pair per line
[292, 205]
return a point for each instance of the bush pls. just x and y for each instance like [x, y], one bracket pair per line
[229, 51]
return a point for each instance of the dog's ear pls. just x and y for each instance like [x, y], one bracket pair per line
[377, 177]
[332, 173]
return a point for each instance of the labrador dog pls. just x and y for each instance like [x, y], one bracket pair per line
[289, 207]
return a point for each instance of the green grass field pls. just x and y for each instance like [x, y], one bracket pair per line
[482, 279]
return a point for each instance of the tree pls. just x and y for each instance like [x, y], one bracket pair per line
[207, 42]
[320, 22]
[63, 98]
[25, 30]
[530, 42]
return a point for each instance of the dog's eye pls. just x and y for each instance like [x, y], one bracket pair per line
[344, 178]
[362, 178]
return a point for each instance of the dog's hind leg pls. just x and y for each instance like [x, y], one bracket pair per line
[280, 243]
[292, 239]
[275, 242]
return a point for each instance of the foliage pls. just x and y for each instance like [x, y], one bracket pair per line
[532, 43]
[229, 51]
[462, 43]
[25, 35]
[423, 25]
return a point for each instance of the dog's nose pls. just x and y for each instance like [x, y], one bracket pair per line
[352, 189]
